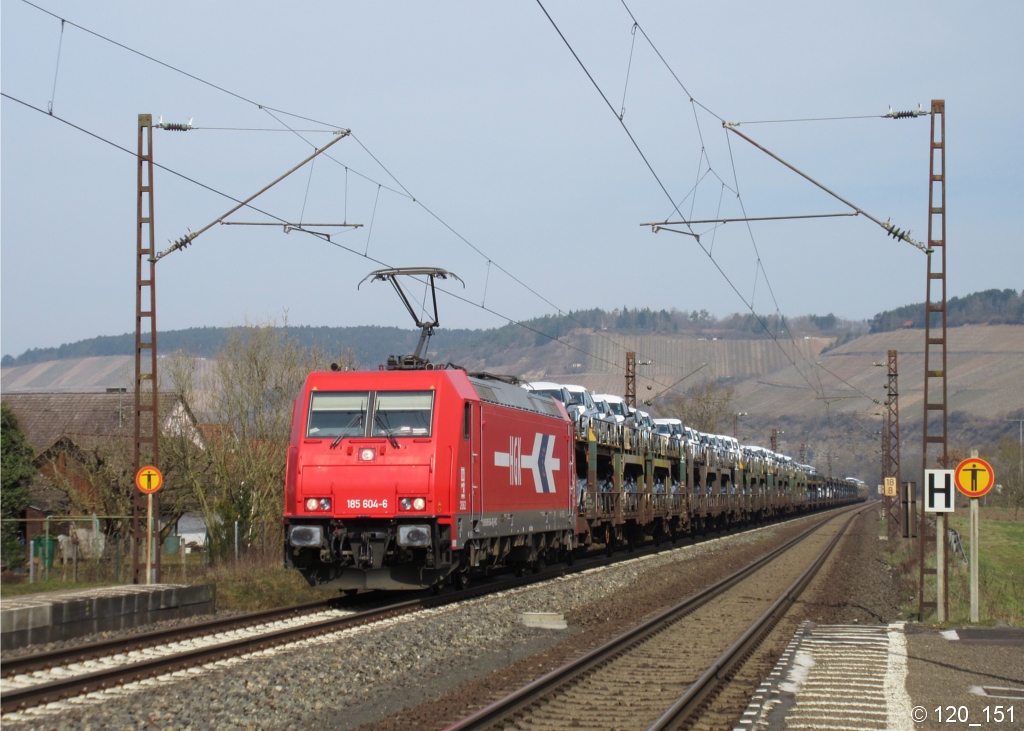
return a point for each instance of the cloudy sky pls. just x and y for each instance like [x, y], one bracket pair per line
[479, 138]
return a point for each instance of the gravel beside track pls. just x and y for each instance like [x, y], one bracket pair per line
[125, 659]
[121, 634]
[631, 689]
[359, 675]
[853, 585]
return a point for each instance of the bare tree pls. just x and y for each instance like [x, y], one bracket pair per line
[703, 407]
[236, 469]
[1007, 460]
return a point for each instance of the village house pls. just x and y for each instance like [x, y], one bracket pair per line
[83, 447]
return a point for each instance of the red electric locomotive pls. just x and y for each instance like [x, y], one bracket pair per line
[398, 478]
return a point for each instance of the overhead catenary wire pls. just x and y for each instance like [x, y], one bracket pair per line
[731, 126]
[694, 104]
[56, 70]
[272, 110]
[323, 237]
[860, 391]
[657, 178]
[629, 65]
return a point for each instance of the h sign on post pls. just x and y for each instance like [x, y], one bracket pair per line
[938, 491]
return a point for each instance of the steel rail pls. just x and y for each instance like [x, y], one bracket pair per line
[142, 640]
[718, 673]
[534, 691]
[89, 682]
[58, 689]
[103, 648]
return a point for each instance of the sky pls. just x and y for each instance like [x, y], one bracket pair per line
[479, 144]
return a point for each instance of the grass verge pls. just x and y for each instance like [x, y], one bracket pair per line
[1000, 572]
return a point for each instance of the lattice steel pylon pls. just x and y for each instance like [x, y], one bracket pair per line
[891, 449]
[147, 409]
[935, 424]
[631, 379]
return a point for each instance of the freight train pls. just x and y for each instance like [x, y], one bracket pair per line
[409, 477]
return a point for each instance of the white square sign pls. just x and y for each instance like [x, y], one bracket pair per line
[939, 492]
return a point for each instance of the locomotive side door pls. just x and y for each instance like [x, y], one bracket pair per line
[476, 450]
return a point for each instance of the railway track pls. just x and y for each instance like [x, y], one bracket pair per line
[52, 676]
[86, 652]
[660, 674]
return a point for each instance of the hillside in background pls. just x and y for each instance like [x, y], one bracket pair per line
[991, 307]
[813, 378]
[372, 344]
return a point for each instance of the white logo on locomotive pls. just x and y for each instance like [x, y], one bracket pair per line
[541, 463]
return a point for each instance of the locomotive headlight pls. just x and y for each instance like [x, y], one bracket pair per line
[312, 503]
[405, 503]
[367, 455]
[325, 503]
[419, 504]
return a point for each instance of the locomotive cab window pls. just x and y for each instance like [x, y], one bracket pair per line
[402, 413]
[337, 414]
[467, 411]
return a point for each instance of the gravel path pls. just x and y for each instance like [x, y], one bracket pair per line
[359, 675]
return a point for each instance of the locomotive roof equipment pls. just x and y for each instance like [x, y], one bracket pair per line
[416, 361]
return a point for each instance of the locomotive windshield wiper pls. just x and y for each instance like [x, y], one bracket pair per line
[356, 421]
[387, 431]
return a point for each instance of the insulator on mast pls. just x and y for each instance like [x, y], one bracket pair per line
[912, 113]
[175, 126]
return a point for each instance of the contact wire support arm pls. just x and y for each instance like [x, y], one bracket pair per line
[889, 227]
[188, 238]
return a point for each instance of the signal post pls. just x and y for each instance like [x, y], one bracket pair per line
[974, 478]
[149, 480]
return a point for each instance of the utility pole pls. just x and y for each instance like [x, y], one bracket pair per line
[631, 379]
[736, 423]
[891, 451]
[935, 422]
[147, 396]
[775, 439]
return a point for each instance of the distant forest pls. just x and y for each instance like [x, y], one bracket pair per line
[991, 307]
[371, 344]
